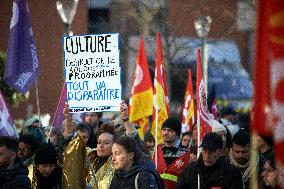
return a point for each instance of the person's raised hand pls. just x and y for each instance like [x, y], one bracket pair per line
[66, 110]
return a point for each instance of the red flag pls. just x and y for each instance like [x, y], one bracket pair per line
[261, 103]
[141, 101]
[188, 108]
[161, 101]
[203, 116]
[7, 124]
[268, 104]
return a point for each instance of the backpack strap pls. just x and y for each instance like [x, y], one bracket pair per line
[136, 181]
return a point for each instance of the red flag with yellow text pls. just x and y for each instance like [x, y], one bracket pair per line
[160, 100]
[268, 102]
[188, 107]
[141, 100]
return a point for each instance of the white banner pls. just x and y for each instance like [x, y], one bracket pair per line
[92, 72]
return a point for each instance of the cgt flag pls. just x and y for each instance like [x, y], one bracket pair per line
[141, 100]
[161, 101]
[22, 67]
[188, 108]
[203, 116]
[268, 102]
[7, 125]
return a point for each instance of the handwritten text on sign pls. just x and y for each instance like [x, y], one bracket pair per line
[92, 72]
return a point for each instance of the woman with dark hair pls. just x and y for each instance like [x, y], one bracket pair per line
[130, 172]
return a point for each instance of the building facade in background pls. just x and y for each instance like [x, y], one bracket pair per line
[173, 18]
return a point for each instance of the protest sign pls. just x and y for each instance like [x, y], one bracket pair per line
[92, 72]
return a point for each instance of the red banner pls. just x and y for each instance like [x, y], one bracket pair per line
[161, 101]
[268, 104]
[188, 107]
[141, 100]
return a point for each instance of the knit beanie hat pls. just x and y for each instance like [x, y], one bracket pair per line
[46, 154]
[173, 124]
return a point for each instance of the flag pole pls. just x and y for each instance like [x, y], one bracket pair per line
[254, 178]
[156, 136]
[37, 102]
[198, 144]
[198, 135]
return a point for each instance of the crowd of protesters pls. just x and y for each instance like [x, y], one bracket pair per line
[115, 157]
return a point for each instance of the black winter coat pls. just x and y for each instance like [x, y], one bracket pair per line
[50, 182]
[16, 178]
[147, 178]
[222, 174]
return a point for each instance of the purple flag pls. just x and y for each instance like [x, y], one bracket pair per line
[22, 67]
[59, 116]
[7, 125]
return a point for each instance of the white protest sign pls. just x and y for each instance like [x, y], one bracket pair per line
[92, 72]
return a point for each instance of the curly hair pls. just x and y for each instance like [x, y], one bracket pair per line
[107, 128]
[29, 140]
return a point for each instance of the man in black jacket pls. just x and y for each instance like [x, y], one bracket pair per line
[214, 171]
[13, 174]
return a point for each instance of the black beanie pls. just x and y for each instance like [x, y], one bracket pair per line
[46, 155]
[173, 124]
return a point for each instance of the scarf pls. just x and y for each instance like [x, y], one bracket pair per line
[248, 167]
